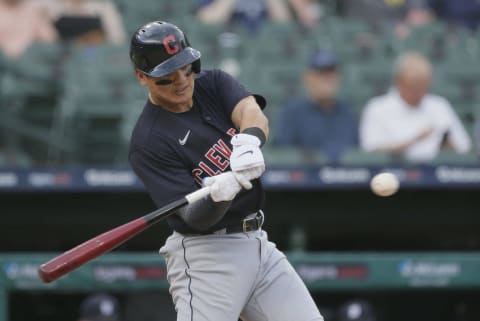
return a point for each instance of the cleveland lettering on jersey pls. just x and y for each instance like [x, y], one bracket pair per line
[218, 156]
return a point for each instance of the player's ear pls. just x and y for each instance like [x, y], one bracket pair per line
[142, 78]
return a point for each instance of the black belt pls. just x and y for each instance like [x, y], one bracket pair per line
[250, 223]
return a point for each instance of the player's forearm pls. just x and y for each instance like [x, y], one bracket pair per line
[255, 119]
[203, 214]
[248, 114]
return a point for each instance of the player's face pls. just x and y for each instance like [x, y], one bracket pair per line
[173, 91]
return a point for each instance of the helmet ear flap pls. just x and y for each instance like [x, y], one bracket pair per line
[196, 66]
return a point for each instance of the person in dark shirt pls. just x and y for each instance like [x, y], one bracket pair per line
[100, 307]
[460, 13]
[319, 120]
[202, 128]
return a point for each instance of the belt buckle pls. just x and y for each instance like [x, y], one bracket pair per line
[257, 218]
[246, 227]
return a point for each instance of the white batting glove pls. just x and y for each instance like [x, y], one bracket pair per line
[246, 154]
[223, 187]
[246, 175]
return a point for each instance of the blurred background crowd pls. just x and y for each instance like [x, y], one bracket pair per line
[347, 81]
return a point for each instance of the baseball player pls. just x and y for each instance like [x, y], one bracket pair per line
[204, 128]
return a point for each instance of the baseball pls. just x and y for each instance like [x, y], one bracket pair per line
[384, 184]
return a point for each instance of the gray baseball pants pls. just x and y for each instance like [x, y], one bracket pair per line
[223, 277]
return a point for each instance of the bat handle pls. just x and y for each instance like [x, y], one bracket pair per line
[198, 194]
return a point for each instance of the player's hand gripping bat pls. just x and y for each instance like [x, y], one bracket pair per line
[83, 253]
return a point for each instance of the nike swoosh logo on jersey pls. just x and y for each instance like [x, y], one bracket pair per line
[184, 140]
[247, 152]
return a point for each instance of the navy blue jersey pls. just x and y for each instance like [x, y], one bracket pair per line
[172, 152]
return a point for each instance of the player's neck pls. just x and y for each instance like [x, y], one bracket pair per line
[174, 108]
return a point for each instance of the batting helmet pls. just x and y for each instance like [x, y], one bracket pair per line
[159, 48]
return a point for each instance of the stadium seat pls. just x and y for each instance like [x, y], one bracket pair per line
[30, 88]
[375, 75]
[458, 68]
[292, 156]
[461, 47]
[136, 15]
[37, 69]
[428, 39]
[133, 107]
[450, 157]
[15, 158]
[357, 157]
[351, 38]
[277, 43]
[206, 39]
[356, 93]
[93, 129]
[93, 104]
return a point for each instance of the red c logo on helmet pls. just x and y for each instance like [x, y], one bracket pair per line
[168, 41]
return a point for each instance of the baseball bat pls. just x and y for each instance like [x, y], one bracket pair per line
[87, 251]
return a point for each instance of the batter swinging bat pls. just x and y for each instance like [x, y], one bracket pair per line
[83, 253]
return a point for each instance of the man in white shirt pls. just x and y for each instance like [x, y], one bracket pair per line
[408, 121]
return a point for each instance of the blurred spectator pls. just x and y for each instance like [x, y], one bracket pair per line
[87, 22]
[463, 13]
[401, 14]
[100, 307]
[21, 24]
[357, 310]
[465, 311]
[319, 120]
[408, 121]
[307, 12]
[249, 13]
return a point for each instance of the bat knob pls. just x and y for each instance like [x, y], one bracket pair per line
[44, 275]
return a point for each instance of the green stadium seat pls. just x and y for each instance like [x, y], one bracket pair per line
[357, 157]
[350, 38]
[37, 69]
[133, 108]
[277, 43]
[375, 76]
[356, 93]
[458, 70]
[92, 128]
[450, 157]
[16, 158]
[136, 15]
[461, 47]
[427, 39]
[206, 39]
[92, 107]
[29, 93]
[277, 82]
[292, 156]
